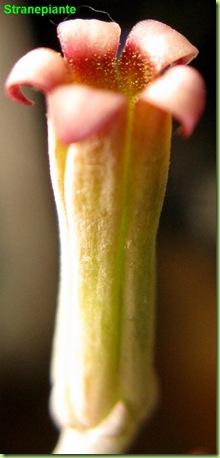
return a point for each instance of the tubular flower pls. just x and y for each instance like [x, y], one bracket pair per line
[109, 121]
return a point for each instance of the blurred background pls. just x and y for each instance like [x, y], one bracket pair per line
[186, 329]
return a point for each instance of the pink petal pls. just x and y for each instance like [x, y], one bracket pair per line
[83, 38]
[90, 47]
[78, 112]
[150, 48]
[41, 68]
[180, 91]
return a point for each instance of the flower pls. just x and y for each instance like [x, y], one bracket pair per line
[109, 123]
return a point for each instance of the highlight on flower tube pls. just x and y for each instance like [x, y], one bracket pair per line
[109, 130]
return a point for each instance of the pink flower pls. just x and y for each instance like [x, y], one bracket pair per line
[109, 125]
[152, 67]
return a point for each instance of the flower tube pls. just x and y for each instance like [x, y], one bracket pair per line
[109, 130]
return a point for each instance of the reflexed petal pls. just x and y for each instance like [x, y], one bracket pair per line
[180, 91]
[42, 69]
[79, 37]
[90, 47]
[152, 46]
[163, 45]
[78, 111]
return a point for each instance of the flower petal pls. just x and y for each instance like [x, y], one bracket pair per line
[90, 47]
[78, 111]
[41, 68]
[150, 48]
[180, 91]
[83, 38]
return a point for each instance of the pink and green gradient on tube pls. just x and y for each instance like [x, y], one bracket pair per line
[109, 130]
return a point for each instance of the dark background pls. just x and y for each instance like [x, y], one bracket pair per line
[185, 344]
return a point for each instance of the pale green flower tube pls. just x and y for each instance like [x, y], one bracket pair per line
[108, 208]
